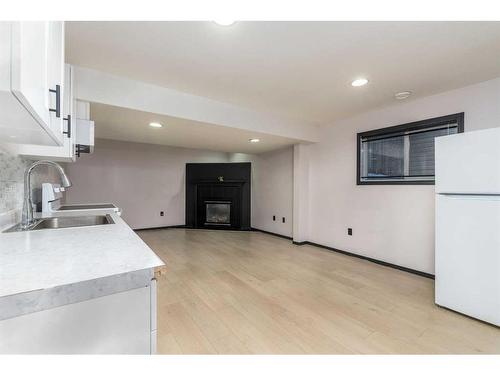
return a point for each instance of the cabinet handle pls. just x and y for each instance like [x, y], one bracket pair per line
[57, 110]
[82, 149]
[68, 131]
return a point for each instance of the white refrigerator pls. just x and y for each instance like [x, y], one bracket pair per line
[468, 224]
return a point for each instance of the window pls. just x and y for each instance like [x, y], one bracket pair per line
[403, 154]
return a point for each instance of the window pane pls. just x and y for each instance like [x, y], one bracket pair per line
[384, 157]
[421, 153]
[404, 153]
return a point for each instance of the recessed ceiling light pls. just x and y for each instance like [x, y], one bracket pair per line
[359, 82]
[155, 125]
[254, 140]
[402, 95]
[223, 22]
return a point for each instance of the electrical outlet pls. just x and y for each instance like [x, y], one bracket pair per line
[349, 231]
[283, 219]
[162, 213]
[274, 217]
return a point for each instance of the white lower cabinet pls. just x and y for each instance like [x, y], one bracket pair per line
[120, 323]
[153, 318]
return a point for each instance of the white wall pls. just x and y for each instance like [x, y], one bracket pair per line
[142, 179]
[390, 223]
[272, 189]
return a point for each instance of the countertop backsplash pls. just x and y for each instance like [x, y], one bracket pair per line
[12, 169]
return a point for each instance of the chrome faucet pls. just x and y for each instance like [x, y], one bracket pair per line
[27, 217]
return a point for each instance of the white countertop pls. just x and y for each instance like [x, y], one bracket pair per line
[46, 258]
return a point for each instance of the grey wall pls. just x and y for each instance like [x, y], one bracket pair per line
[142, 179]
[394, 223]
[272, 189]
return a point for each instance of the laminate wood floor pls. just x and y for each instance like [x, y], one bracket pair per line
[249, 292]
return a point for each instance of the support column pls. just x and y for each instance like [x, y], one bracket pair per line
[300, 193]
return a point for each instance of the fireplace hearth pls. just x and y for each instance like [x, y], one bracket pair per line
[218, 195]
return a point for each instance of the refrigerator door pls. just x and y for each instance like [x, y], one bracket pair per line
[468, 255]
[468, 163]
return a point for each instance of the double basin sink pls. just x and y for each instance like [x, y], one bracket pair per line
[65, 222]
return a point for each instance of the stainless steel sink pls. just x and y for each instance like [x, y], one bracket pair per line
[66, 222]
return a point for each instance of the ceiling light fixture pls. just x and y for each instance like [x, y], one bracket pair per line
[155, 125]
[359, 82]
[224, 22]
[254, 140]
[402, 95]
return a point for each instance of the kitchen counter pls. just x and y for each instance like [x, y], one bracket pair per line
[79, 290]
[48, 258]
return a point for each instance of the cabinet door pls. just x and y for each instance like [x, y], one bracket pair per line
[36, 46]
[55, 76]
[66, 152]
[29, 68]
[114, 324]
[69, 123]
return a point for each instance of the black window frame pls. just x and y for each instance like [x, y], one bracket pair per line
[411, 126]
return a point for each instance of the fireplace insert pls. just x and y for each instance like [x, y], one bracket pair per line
[218, 213]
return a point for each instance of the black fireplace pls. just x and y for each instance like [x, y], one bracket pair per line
[218, 195]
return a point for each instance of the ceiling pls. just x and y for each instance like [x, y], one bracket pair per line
[130, 125]
[301, 70]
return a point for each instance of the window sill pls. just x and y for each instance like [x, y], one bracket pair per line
[395, 182]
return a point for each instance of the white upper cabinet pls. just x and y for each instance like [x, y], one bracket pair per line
[31, 82]
[29, 74]
[66, 152]
[56, 75]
